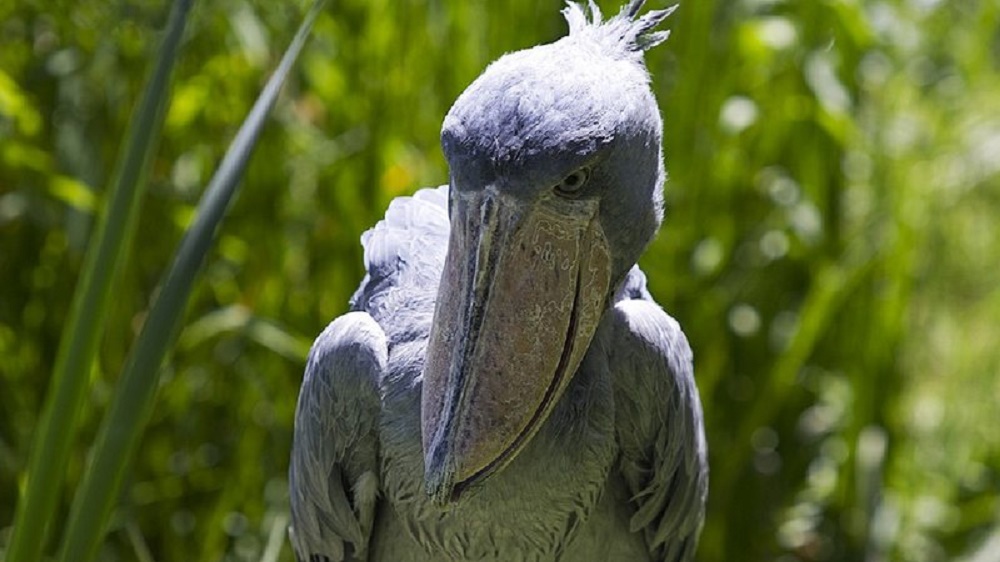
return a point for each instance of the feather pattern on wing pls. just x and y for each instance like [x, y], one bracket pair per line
[659, 426]
[334, 467]
[333, 474]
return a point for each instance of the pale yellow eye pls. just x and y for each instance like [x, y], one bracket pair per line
[571, 184]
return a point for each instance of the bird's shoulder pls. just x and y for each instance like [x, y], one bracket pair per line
[650, 340]
[404, 253]
[333, 480]
[646, 338]
[659, 423]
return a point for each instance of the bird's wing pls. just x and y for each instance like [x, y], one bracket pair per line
[659, 425]
[333, 477]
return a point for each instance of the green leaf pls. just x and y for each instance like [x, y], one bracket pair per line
[134, 396]
[78, 344]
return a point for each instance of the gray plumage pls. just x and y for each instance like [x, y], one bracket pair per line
[611, 462]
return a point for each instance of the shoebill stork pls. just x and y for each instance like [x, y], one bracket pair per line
[504, 387]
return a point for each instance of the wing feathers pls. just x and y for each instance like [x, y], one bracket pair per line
[332, 477]
[659, 420]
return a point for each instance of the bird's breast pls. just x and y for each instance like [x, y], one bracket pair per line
[528, 511]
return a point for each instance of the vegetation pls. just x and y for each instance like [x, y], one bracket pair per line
[830, 248]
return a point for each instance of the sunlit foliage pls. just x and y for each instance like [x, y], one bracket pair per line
[831, 249]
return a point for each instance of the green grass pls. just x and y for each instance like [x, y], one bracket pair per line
[132, 403]
[89, 309]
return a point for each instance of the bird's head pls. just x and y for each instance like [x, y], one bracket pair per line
[556, 189]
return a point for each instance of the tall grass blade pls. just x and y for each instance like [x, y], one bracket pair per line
[78, 343]
[133, 400]
[834, 283]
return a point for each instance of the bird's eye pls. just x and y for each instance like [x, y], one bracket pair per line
[571, 184]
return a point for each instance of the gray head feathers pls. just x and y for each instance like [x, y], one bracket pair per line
[624, 33]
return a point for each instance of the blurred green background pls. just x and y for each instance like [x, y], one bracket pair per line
[831, 249]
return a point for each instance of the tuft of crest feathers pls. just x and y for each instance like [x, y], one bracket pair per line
[625, 32]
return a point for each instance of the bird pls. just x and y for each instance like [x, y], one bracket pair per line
[504, 387]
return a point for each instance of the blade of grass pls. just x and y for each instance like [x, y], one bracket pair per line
[834, 283]
[275, 539]
[134, 396]
[78, 344]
